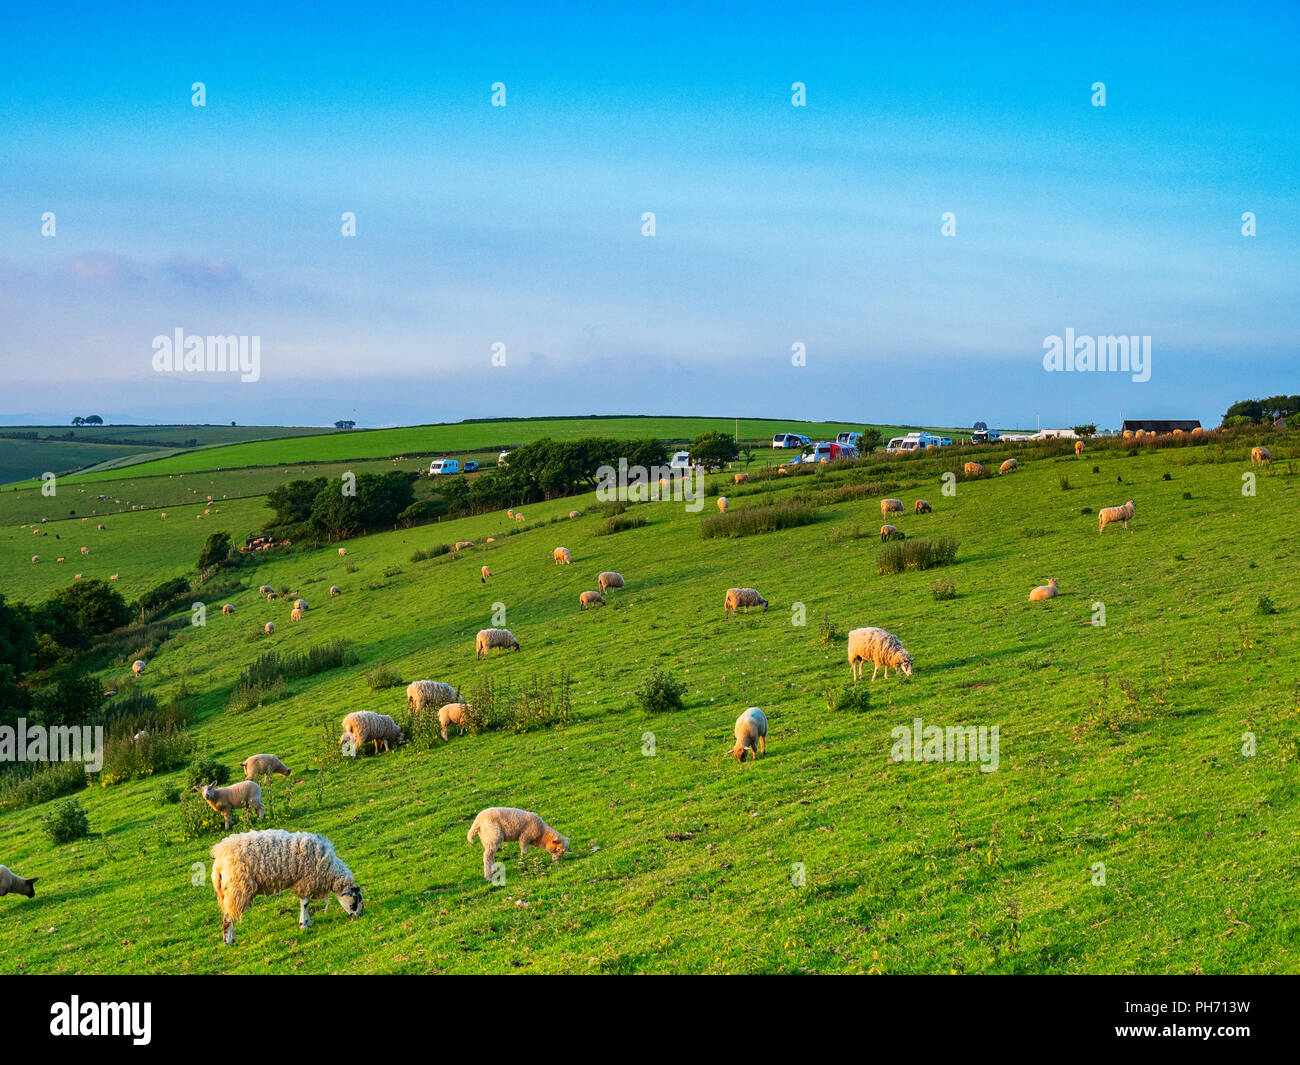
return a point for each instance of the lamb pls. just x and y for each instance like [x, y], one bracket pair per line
[272, 861]
[1008, 466]
[455, 714]
[138, 667]
[922, 507]
[335, 590]
[740, 478]
[501, 824]
[742, 599]
[562, 556]
[890, 532]
[751, 734]
[365, 726]
[489, 638]
[722, 504]
[270, 627]
[428, 694]
[891, 506]
[879, 647]
[974, 469]
[246, 795]
[1261, 456]
[1108, 514]
[607, 580]
[263, 765]
[228, 609]
[295, 614]
[587, 599]
[1044, 591]
[1078, 447]
[13, 884]
[484, 574]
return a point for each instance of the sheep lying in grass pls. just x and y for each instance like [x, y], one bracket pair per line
[1109, 514]
[365, 726]
[891, 506]
[484, 574]
[751, 734]
[922, 507]
[454, 714]
[607, 580]
[263, 765]
[246, 795]
[461, 544]
[1008, 466]
[489, 638]
[890, 532]
[13, 884]
[742, 599]
[974, 469]
[272, 861]
[138, 667]
[428, 695]
[504, 824]
[587, 599]
[1044, 591]
[562, 556]
[880, 648]
[1261, 456]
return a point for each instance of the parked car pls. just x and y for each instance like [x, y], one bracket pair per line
[439, 467]
[471, 466]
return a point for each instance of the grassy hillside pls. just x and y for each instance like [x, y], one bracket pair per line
[1120, 744]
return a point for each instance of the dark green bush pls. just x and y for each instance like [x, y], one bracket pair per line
[749, 520]
[618, 523]
[848, 696]
[660, 691]
[66, 822]
[943, 589]
[916, 555]
[206, 770]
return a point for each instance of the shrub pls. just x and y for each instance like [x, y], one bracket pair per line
[541, 700]
[198, 818]
[1166, 477]
[1085, 510]
[943, 589]
[438, 549]
[125, 759]
[382, 676]
[827, 629]
[848, 696]
[66, 822]
[1065, 484]
[1187, 495]
[272, 666]
[749, 520]
[1264, 606]
[168, 795]
[206, 770]
[619, 523]
[41, 784]
[247, 696]
[660, 691]
[916, 554]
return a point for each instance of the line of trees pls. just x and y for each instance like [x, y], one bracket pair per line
[1261, 411]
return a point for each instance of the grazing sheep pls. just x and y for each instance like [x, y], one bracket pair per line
[484, 574]
[722, 504]
[265, 589]
[164, 513]
[335, 590]
[272, 861]
[489, 638]
[463, 544]
[1044, 591]
[562, 556]
[454, 714]
[269, 627]
[1108, 514]
[587, 599]
[263, 765]
[607, 580]
[891, 506]
[922, 507]
[138, 667]
[890, 532]
[1261, 456]
[227, 609]
[13, 884]
[502, 824]
[510, 512]
[742, 599]
[1008, 466]
[246, 795]
[270, 596]
[751, 734]
[85, 550]
[36, 558]
[103, 528]
[343, 550]
[365, 726]
[295, 614]
[573, 514]
[428, 695]
[880, 648]
[300, 604]
[519, 518]
[1078, 447]
[974, 469]
[740, 478]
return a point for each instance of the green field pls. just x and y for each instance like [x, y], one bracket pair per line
[1119, 744]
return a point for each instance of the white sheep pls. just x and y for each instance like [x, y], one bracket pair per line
[428, 695]
[228, 609]
[974, 469]
[891, 506]
[245, 795]
[272, 861]
[1261, 456]
[922, 507]
[562, 556]
[501, 824]
[463, 544]
[751, 734]
[1044, 591]
[489, 638]
[295, 614]
[138, 667]
[141, 736]
[573, 514]
[890, 532]
[722, 504]
[13, 884]
[335, 590]
[484, 573]
[1008, 466]
[365, 726]
[455, 714]
[587, 599]
[880, 648]
[740, 478]
[263, 765]
[519, 517]
[742, 599]
[36, 558]
[1078, 447]
[269, 627]
[1109, 514]
[343, 550]
[300, 604]
[607, 580]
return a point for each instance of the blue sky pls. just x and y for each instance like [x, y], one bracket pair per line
[522, 224]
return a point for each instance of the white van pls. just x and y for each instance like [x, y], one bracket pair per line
[681, 460]
[443, 466]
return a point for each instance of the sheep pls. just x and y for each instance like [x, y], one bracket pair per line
[891, 506]
[265, 589]
[269, 627]
[751, 734]
[455, 714]
[246, 795]
[1078, 447]
[85, 550]
[501, 824]
[574, 514]
[228, 609]
[270, 596]
[365, 726]
[272, 861]
[343, 550]
[562, 556]
[428, 694]
[103, 528]
[13, 884]
[1044, 591]
[463, 544]
[922, 507]
[1008, 466]
[300, 604]
[519, 517]
[742, 599]
[489, 638]
[740, 478]
[607, 580]
[295, 614]
[36, 558]
[264, 765]
[138, 667]
[880, 648]
[890, 532]
[587, 599]
[335, 590]
[1108, 514]
[722, 504]
[510, 512]
[1261, 456]
[484, 574]
[141, 736]
[974, 469]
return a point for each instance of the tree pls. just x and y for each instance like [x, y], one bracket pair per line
[1244, 412]
[979, 427]
[78, 420]
[344, 425]
[870, 440]
[292, 502]
[746, 455]
[714, 450]
[94, 419]
[17, 637]
[97, 605]
[214, 553]
[1085, 430]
